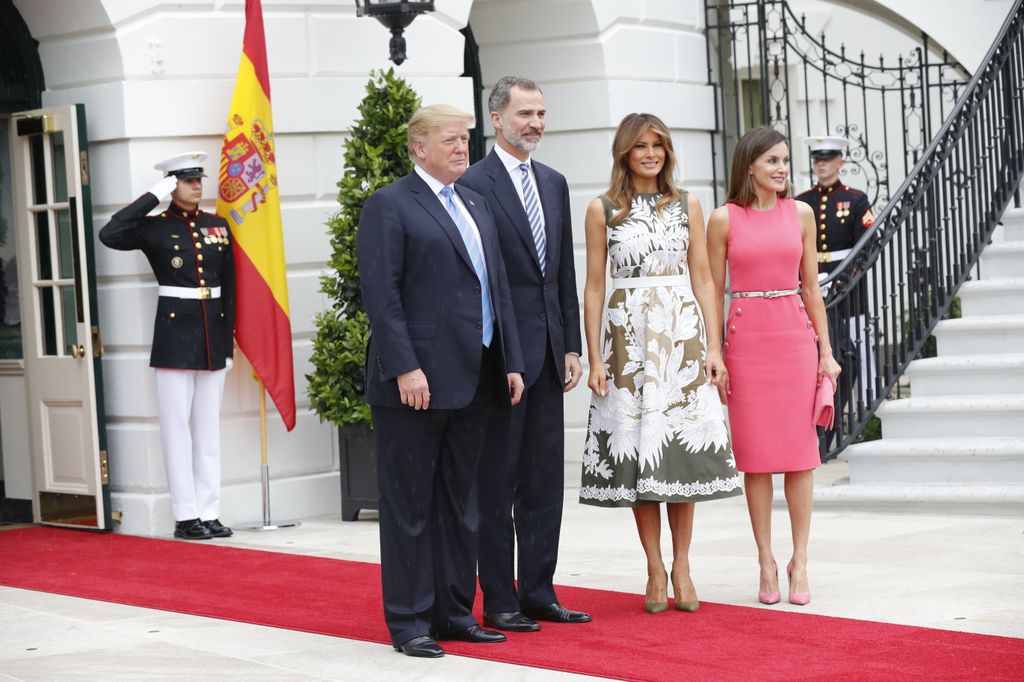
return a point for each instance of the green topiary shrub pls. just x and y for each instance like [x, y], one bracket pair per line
[375, 155]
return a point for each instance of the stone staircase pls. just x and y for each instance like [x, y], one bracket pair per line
[959, 440]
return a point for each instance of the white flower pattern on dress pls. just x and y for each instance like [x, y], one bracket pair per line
[659, 404]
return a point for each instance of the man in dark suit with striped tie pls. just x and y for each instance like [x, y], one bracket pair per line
[444, 352]
[521, 476]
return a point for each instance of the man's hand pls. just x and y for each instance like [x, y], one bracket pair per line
[164, 188]
[573, 372]
[413, 388]
[515, 387]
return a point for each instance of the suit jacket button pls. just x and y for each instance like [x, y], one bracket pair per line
[476, 290]
[479, 325]
[543, 317]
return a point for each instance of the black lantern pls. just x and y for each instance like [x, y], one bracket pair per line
[395, 16]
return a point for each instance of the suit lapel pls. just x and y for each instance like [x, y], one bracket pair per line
[421, 191]
[507, 197]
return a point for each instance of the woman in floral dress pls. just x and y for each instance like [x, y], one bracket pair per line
[657, 431]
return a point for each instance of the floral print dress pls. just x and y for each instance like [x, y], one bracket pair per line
[660, 434]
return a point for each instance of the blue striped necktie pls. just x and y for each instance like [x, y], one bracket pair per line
[532, 205]
[476, 256]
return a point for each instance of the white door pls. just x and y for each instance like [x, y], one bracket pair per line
[59, 325]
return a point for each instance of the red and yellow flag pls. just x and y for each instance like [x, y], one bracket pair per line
[248, 199]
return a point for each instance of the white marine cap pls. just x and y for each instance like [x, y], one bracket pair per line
[187, 165]
[826, 146]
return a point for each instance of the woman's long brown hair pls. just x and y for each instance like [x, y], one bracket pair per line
[620, 192]
[751, 146]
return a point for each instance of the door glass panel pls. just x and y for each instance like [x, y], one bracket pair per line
[68, 306]
[47, 321]
[44, 268]
[65, 244]
[38, 170]
[10, 308]
[60, 174]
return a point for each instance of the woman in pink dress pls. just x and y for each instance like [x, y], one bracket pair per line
[777, 346]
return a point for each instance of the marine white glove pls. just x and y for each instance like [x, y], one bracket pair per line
[163, 189]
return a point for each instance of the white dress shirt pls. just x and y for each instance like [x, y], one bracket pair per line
[512, 166]
[436, 186]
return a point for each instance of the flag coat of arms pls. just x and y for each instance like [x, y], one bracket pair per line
[247, 196]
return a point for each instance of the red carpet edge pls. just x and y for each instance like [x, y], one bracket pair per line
[342, 599]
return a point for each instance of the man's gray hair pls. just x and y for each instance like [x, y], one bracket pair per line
[502, 91]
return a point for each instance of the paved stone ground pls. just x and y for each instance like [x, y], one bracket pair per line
[936, 569]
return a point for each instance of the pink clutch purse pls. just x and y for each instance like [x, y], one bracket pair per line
[824, 409]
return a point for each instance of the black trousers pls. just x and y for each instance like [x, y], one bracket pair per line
[521, 486]
[426, 469]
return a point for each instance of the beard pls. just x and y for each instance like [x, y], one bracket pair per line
[520, 142]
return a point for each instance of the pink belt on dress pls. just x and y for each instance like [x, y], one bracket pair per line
[774, 293]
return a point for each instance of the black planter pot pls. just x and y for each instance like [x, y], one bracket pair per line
[358, 467]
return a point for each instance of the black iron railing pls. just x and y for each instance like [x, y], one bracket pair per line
[953, 147]
[928, 239]
[767, 68]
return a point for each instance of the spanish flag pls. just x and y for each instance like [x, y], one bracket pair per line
[247, 197]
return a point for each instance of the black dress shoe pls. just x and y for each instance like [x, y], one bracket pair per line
[511, 621]
[192, 529]
[218, 529]
[557, 613]
[475, 634]
[423, 646]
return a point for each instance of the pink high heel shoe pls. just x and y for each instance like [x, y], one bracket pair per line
[770, 597]
[798, 598]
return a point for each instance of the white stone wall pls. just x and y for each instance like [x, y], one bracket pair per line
[156, 79]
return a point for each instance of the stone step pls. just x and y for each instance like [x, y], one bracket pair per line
[942, 499]
[1002, 296]
[1002, 259]
[967, 375]
[988, 334]
[982, 416]
[1013, 224]
[936, 461]
[980, 334]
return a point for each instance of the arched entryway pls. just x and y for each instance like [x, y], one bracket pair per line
[21, 87]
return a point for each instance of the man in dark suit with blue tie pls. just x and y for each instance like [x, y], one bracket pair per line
[443, 353]
[521, 476]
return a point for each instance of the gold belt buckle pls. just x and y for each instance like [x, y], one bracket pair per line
[204, 293]
[824, 257]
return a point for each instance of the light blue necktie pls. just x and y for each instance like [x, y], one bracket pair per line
[476, 256]
[532, 205]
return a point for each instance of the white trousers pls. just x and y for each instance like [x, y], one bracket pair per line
[189, 405]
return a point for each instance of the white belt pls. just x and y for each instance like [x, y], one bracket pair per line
[829, 256]
[774, 293]
[199, 293]
[649, 282]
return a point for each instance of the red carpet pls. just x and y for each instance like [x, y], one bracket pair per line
[342, 598]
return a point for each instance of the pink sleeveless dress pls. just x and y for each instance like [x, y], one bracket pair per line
[770, 346]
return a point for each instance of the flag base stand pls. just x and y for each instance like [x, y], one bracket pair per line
[266, 524]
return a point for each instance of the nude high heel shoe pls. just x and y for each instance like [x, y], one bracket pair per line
[798, 598]
[656, 606]
[681, 605]
[770, 597]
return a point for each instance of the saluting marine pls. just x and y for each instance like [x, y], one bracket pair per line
[190, 252]
[843, 215]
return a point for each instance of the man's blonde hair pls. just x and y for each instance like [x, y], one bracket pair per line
[428, 119]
